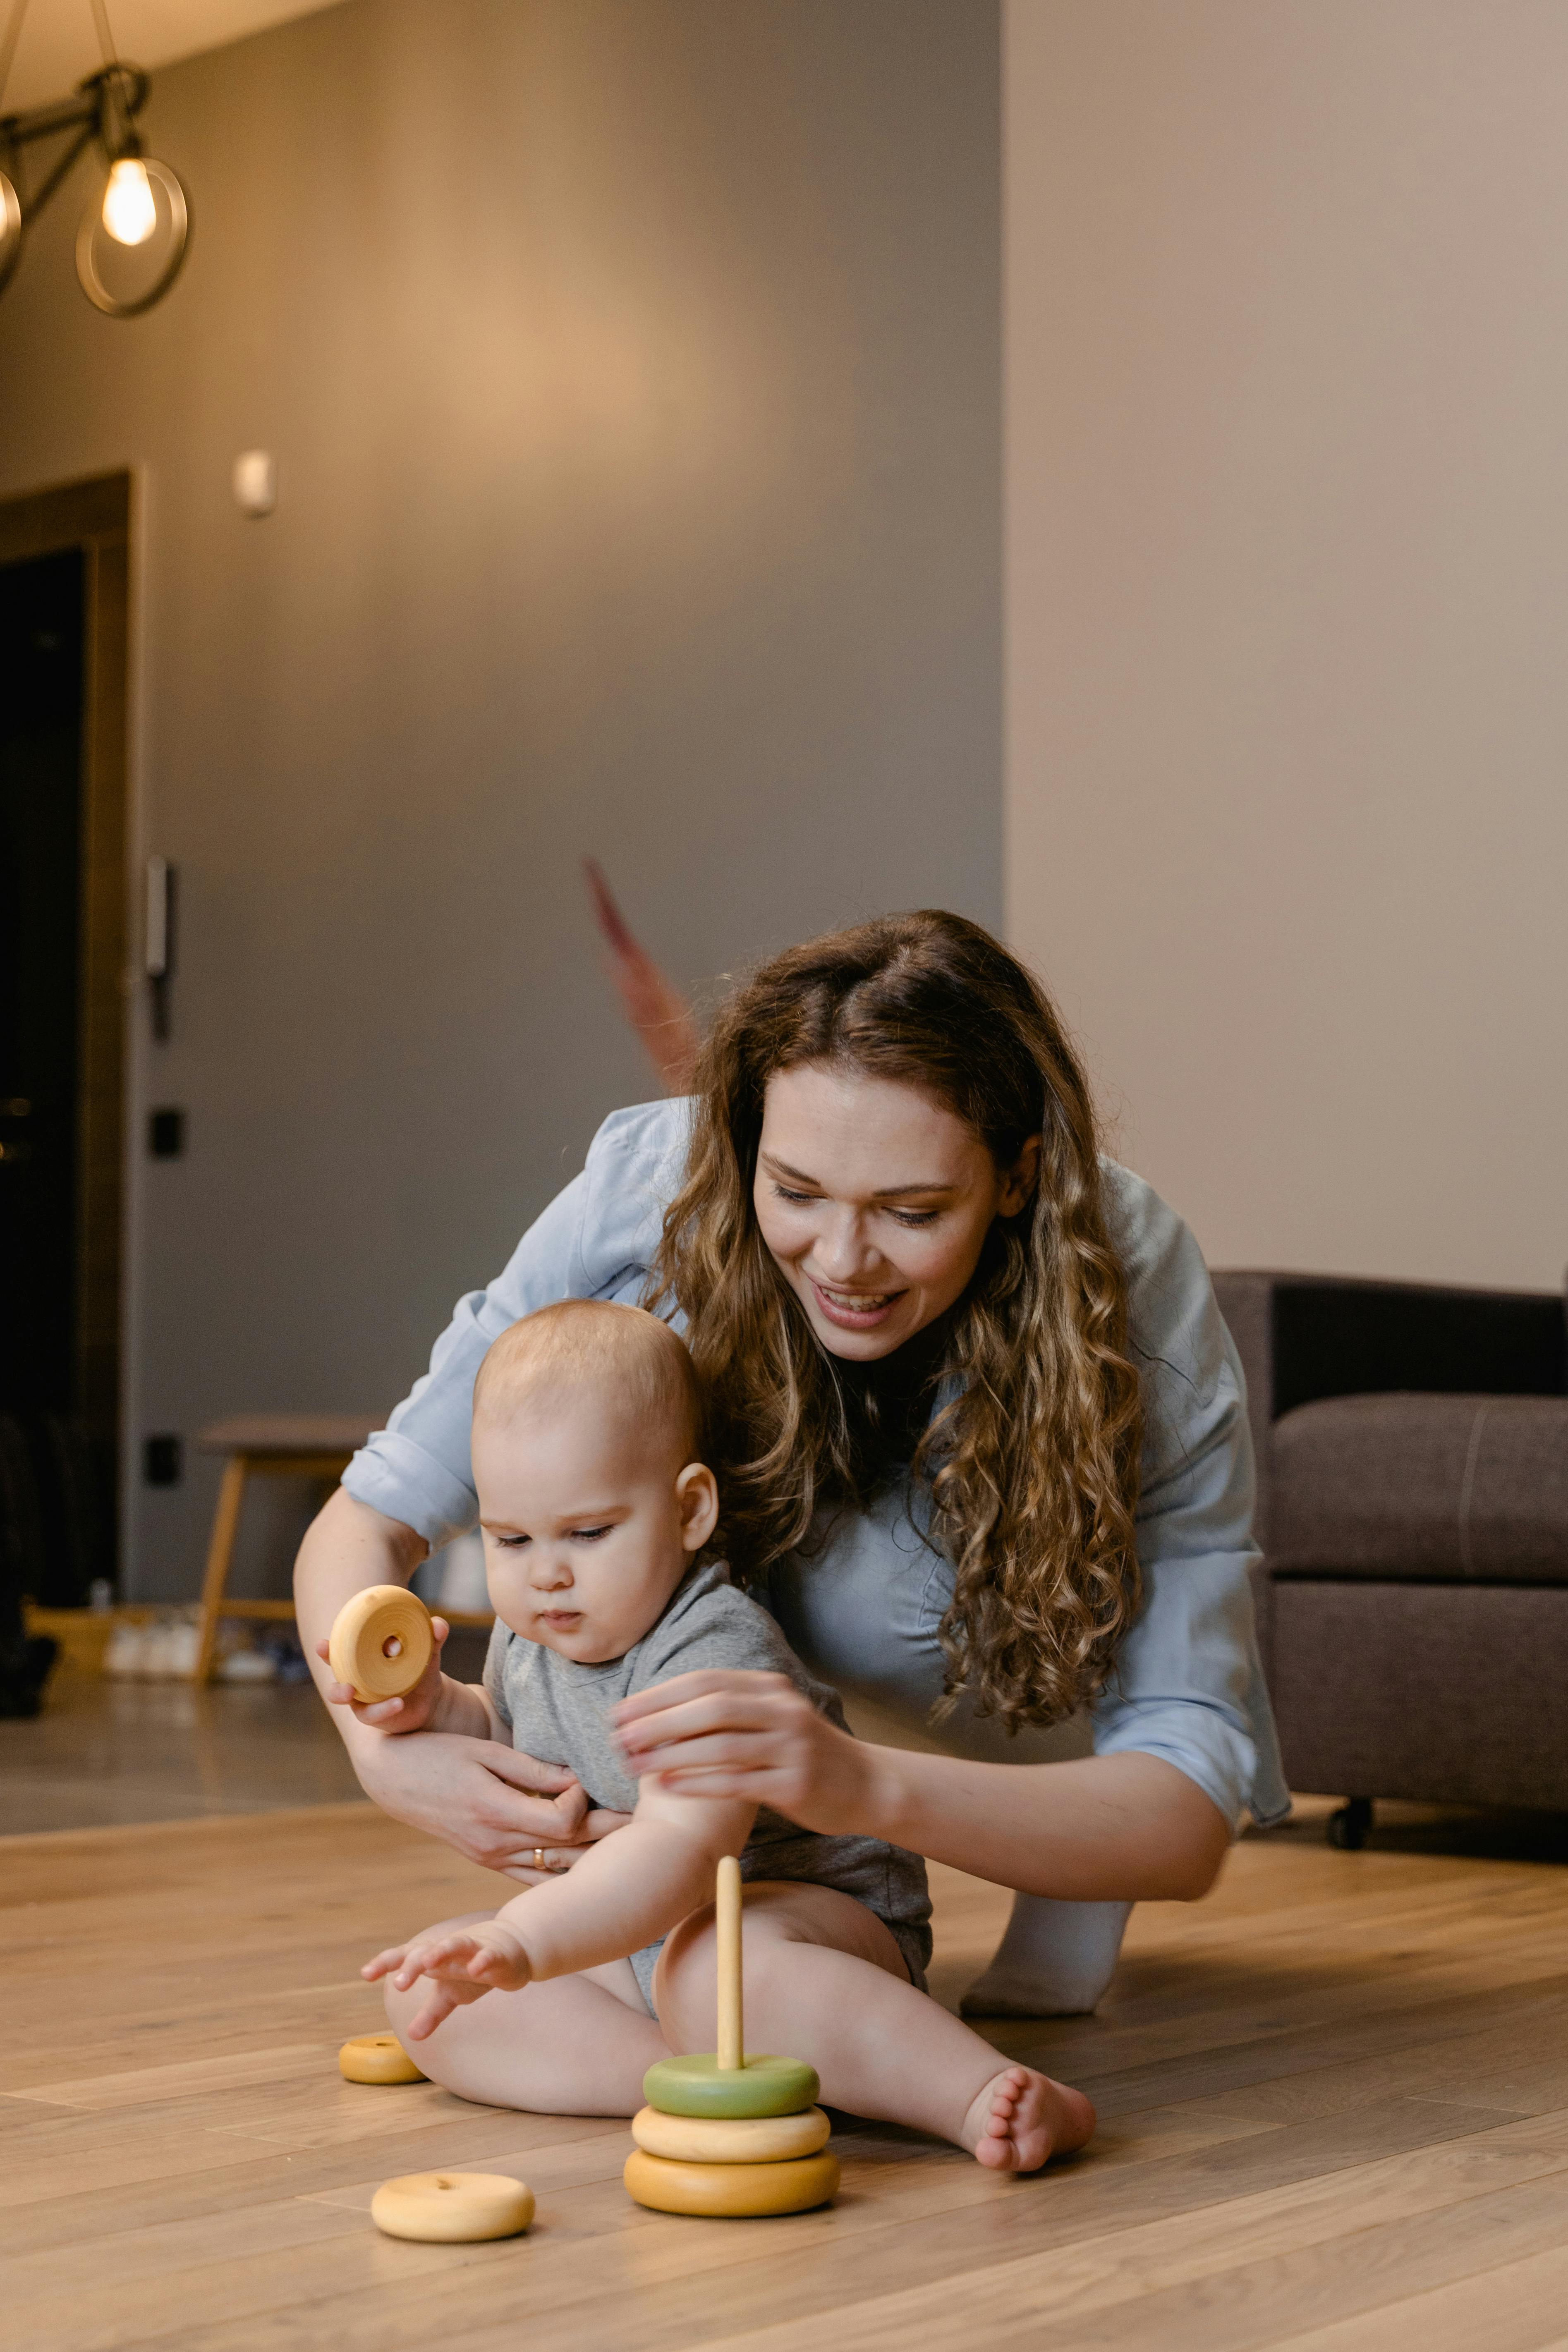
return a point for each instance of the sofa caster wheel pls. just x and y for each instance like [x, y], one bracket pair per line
[1351, 1826]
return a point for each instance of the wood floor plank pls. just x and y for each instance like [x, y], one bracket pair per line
[1126, 2264]
[1514, 2307]
[150, 2085]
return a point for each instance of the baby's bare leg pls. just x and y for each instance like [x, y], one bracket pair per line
[824, 1981]
[578, 2045]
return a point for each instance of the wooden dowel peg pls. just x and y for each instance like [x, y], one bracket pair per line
[732, 2033]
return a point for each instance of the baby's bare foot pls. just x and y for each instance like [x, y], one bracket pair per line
[1021, 2118]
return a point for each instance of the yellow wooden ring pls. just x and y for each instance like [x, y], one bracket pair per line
[452, 2208]
[381, 1642]
[377, 2058]
[763, 2139]
[730, 2192]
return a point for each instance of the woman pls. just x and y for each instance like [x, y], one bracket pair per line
[980, 1439]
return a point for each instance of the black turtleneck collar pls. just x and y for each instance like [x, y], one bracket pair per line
[889, 1401]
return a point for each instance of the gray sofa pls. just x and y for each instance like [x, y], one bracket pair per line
[1412, 1447]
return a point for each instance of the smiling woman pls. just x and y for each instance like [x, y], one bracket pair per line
[882, 1260]
[979, 1441]
[895, 1176]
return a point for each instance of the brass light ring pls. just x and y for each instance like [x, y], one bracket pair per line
[10, 229]
[92, 285]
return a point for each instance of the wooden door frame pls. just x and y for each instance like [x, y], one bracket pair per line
[95, 516]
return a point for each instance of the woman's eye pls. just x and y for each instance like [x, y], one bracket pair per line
[915, 1216]
[796, 1200]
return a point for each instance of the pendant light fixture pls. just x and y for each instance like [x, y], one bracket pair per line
[133, 234]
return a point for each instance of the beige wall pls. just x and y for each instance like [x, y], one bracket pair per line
[1287, 495]
[633, 374]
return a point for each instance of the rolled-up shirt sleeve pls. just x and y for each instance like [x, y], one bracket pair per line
[595, 1240]
[1188, 1683]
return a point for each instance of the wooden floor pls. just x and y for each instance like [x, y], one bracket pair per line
[1334, 2103]
[113, 1752]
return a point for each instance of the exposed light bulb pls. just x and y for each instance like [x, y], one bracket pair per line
[129, 214]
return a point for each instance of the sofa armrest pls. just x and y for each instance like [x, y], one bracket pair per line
[1305, 1335]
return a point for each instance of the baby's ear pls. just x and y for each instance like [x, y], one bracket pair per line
[696, 1496]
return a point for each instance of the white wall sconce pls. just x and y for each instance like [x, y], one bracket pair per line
[133, 234]
[256, 482]
[158, 952]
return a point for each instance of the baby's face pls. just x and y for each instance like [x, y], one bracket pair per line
[589, 1523]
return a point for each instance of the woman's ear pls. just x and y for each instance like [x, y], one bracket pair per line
[1019, 1181]
[696, 1498]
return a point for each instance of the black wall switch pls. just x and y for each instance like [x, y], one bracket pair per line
[166, 1134]
[161, 1461]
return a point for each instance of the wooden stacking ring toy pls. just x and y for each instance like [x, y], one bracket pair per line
[723, 2135]
[381, 1642]
[706, 2086]
[729, 2192]
[452, 2208]
[761, 2139]
[377, 2058]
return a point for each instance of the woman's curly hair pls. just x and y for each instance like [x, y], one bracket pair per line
[1031, 1464]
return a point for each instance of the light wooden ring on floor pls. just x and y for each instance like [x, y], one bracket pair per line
[699, 2085]
[381, 1642]
[758, 2139]
[377, 2058]
[452, 2208]
[730, 2192]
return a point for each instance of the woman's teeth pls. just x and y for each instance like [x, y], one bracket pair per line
[859, 1302]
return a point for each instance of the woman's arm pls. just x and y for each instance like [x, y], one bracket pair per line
[1127, 1828]
[409, 1489]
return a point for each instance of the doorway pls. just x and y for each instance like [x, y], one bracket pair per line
[64, 615]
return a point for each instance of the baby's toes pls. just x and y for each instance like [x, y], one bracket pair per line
[1005, 2093]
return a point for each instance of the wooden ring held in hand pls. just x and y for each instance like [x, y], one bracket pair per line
[381, 1642]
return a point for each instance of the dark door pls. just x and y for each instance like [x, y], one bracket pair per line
[41, 682]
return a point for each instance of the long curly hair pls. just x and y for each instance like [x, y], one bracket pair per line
[1031, 1464]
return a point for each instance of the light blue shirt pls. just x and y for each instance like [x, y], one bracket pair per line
[863, 1609]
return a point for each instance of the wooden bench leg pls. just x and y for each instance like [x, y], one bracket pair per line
[220, 1552]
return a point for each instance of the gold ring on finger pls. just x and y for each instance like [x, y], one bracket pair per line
[539, 1857]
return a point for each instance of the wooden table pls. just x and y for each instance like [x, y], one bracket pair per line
[273, 1446]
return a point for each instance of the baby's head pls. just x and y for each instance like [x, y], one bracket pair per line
[592, 1495]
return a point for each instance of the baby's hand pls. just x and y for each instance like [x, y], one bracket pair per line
[417, 1710]
[459, 1964]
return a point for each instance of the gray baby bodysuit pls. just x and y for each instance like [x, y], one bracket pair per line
[559, 1711]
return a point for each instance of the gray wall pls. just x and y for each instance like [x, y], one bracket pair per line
[632, 371]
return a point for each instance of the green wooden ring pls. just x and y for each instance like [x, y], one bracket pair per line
[699, 2087]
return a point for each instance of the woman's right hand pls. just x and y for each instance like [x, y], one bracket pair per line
[494, 1805]
[414, 1711]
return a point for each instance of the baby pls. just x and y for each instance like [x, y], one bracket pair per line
[595, 1507]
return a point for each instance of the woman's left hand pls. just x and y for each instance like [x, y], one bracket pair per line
[601, 1823]
[716, 1733]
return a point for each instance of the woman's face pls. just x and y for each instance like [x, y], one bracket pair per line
[874, 1202]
